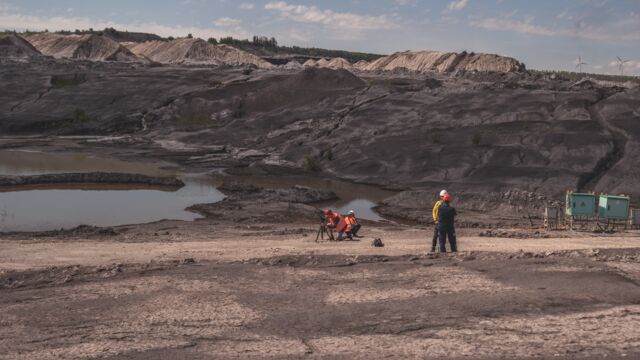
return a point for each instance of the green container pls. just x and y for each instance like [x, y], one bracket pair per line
[614, 207]
[580, 204]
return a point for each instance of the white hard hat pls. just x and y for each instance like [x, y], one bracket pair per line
[443, 193]
[351, 212]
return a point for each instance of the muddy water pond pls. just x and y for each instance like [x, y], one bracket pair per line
[66, 206]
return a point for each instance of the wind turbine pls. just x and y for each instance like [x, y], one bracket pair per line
[621, 64]
[579, 63]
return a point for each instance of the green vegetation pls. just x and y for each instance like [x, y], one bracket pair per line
[311, 163]
[476, 139]
[326, 154]
[329, 154]
[238, 108]
[194, 121]
[77, 117]
[58, 81]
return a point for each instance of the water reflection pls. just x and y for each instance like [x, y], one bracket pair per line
[37, 210]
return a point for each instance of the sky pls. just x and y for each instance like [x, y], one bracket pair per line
[544, 34]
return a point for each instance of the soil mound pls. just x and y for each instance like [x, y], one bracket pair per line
[81, 47]
[14, 46]
[437, 61]
[361, 65]
[195, 51]
[339, 63]
[310, 63]
[292, 65]
[322, 62]
[306, 87]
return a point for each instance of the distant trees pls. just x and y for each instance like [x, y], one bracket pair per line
[212, 41]
[257, 41]
[190, 36]
[264, 41]
[229, 40]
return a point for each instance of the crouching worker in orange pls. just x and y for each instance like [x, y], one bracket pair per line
[332, 219]
[348, 226]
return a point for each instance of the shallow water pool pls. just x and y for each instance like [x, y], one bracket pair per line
[66, 206]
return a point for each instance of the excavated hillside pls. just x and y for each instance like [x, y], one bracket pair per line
[13, 46]
[81, 47]
[499, 138]
[437, 61]
[195, 51]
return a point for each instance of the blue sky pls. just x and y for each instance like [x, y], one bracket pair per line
[544, 34]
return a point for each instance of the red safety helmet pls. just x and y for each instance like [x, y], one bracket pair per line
[447, 197]
[327, 212]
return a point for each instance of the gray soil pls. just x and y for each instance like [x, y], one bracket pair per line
[249, 281]
[480, 305]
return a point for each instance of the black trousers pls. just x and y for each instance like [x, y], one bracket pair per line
[445, 232]
[354, 229]
[434, 242]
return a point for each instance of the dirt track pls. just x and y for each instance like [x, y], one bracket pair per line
[260, 291]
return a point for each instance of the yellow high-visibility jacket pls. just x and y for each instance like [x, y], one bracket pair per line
[435, 210]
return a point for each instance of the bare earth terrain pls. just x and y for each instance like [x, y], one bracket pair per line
[208, 290]
[247, 280]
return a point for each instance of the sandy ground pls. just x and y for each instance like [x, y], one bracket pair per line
[174, 290]
[211, 243]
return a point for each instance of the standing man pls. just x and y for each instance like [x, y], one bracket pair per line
[434, 242]
[446, 224]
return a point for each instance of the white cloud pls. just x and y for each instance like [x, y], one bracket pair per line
[12, 20]
[406, 2]
[226, 22]
[564, 15]
[337, 20]
[620, 31]
[630, 64]
[457, 5]
[247, 6]
[525, 26]
[296, 35]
